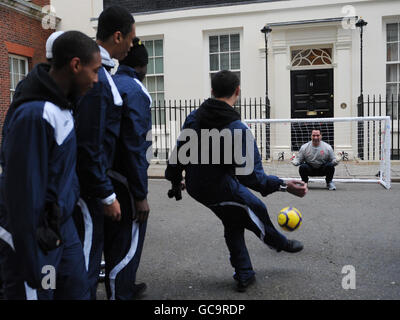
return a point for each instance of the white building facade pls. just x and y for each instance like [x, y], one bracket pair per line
[314, 45]
[196, 42]
[77, 15]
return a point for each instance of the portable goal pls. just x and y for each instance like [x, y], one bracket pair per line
[361, 143]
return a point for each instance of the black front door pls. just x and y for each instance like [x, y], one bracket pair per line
[312, 97]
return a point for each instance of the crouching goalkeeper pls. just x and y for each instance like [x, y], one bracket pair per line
[316, 158]
[223, 188]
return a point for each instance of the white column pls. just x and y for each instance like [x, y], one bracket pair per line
[345, 133]
[280, 95]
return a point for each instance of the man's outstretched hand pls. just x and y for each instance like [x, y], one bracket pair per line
[176, 191]
[297, 188]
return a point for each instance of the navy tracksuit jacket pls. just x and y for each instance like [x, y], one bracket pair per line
[38, 158]
[225, 193]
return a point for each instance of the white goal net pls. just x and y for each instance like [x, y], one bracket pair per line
[361, 144]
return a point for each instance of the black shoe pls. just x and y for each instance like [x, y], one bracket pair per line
[242, 285]
[139, 289]
[292, 246]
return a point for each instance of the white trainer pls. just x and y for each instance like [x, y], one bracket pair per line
[331, 186]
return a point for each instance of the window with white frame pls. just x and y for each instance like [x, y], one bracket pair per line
[18, 67]
[393, 67]
[224, 53]
[154, 81]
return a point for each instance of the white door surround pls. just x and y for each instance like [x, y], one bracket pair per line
[286, 38]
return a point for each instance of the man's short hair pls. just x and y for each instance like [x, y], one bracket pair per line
[224, 84]
[113, 19]
[137, 55]
[73, 44]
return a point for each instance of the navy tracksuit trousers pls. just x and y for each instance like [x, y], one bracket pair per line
[121, 241]
[89, 220]
[239, 215]
[71, 278]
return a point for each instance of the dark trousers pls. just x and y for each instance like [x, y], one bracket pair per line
[123, 245]
[327, 171]
[121, 241]
[71, 277]
[89, 221]
[253, 216]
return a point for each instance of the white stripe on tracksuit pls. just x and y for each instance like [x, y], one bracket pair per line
[251, 214]
[129, 256]
[134, 237]
[87, 242]
[7, 237]
[31, 294]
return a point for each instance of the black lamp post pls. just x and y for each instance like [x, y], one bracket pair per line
[361, 24]
[360, 105]
[266, 30]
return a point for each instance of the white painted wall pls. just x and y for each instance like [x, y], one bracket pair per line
[186, 61]
[76, 14]
[186, 44]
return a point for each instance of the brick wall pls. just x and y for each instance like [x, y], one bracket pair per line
[154, 5]
[41, 3]
[23, 35]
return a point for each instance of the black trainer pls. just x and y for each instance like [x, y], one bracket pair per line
[293, 246]
[138, 290]
[242, 285]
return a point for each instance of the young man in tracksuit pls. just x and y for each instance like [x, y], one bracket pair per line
[40, 252]
[98, 126]
[223, 188]
[49, 56]
[124, 240]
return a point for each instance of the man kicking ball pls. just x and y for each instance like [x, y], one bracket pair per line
[223, 187]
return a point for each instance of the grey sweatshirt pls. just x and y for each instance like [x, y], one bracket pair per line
[315, 156]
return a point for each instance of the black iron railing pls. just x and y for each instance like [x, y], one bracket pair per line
[389, 105]
[169, 116]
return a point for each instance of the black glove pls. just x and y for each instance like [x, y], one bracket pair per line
[48, 233]
[176, 191]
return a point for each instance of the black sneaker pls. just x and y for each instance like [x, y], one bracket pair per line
[242, 285]
[292, 246]
[138, 290]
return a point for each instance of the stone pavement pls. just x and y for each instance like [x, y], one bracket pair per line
[284, 169]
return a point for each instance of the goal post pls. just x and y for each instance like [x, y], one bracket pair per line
[361, 144]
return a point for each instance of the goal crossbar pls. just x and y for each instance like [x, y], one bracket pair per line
[347, 119]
